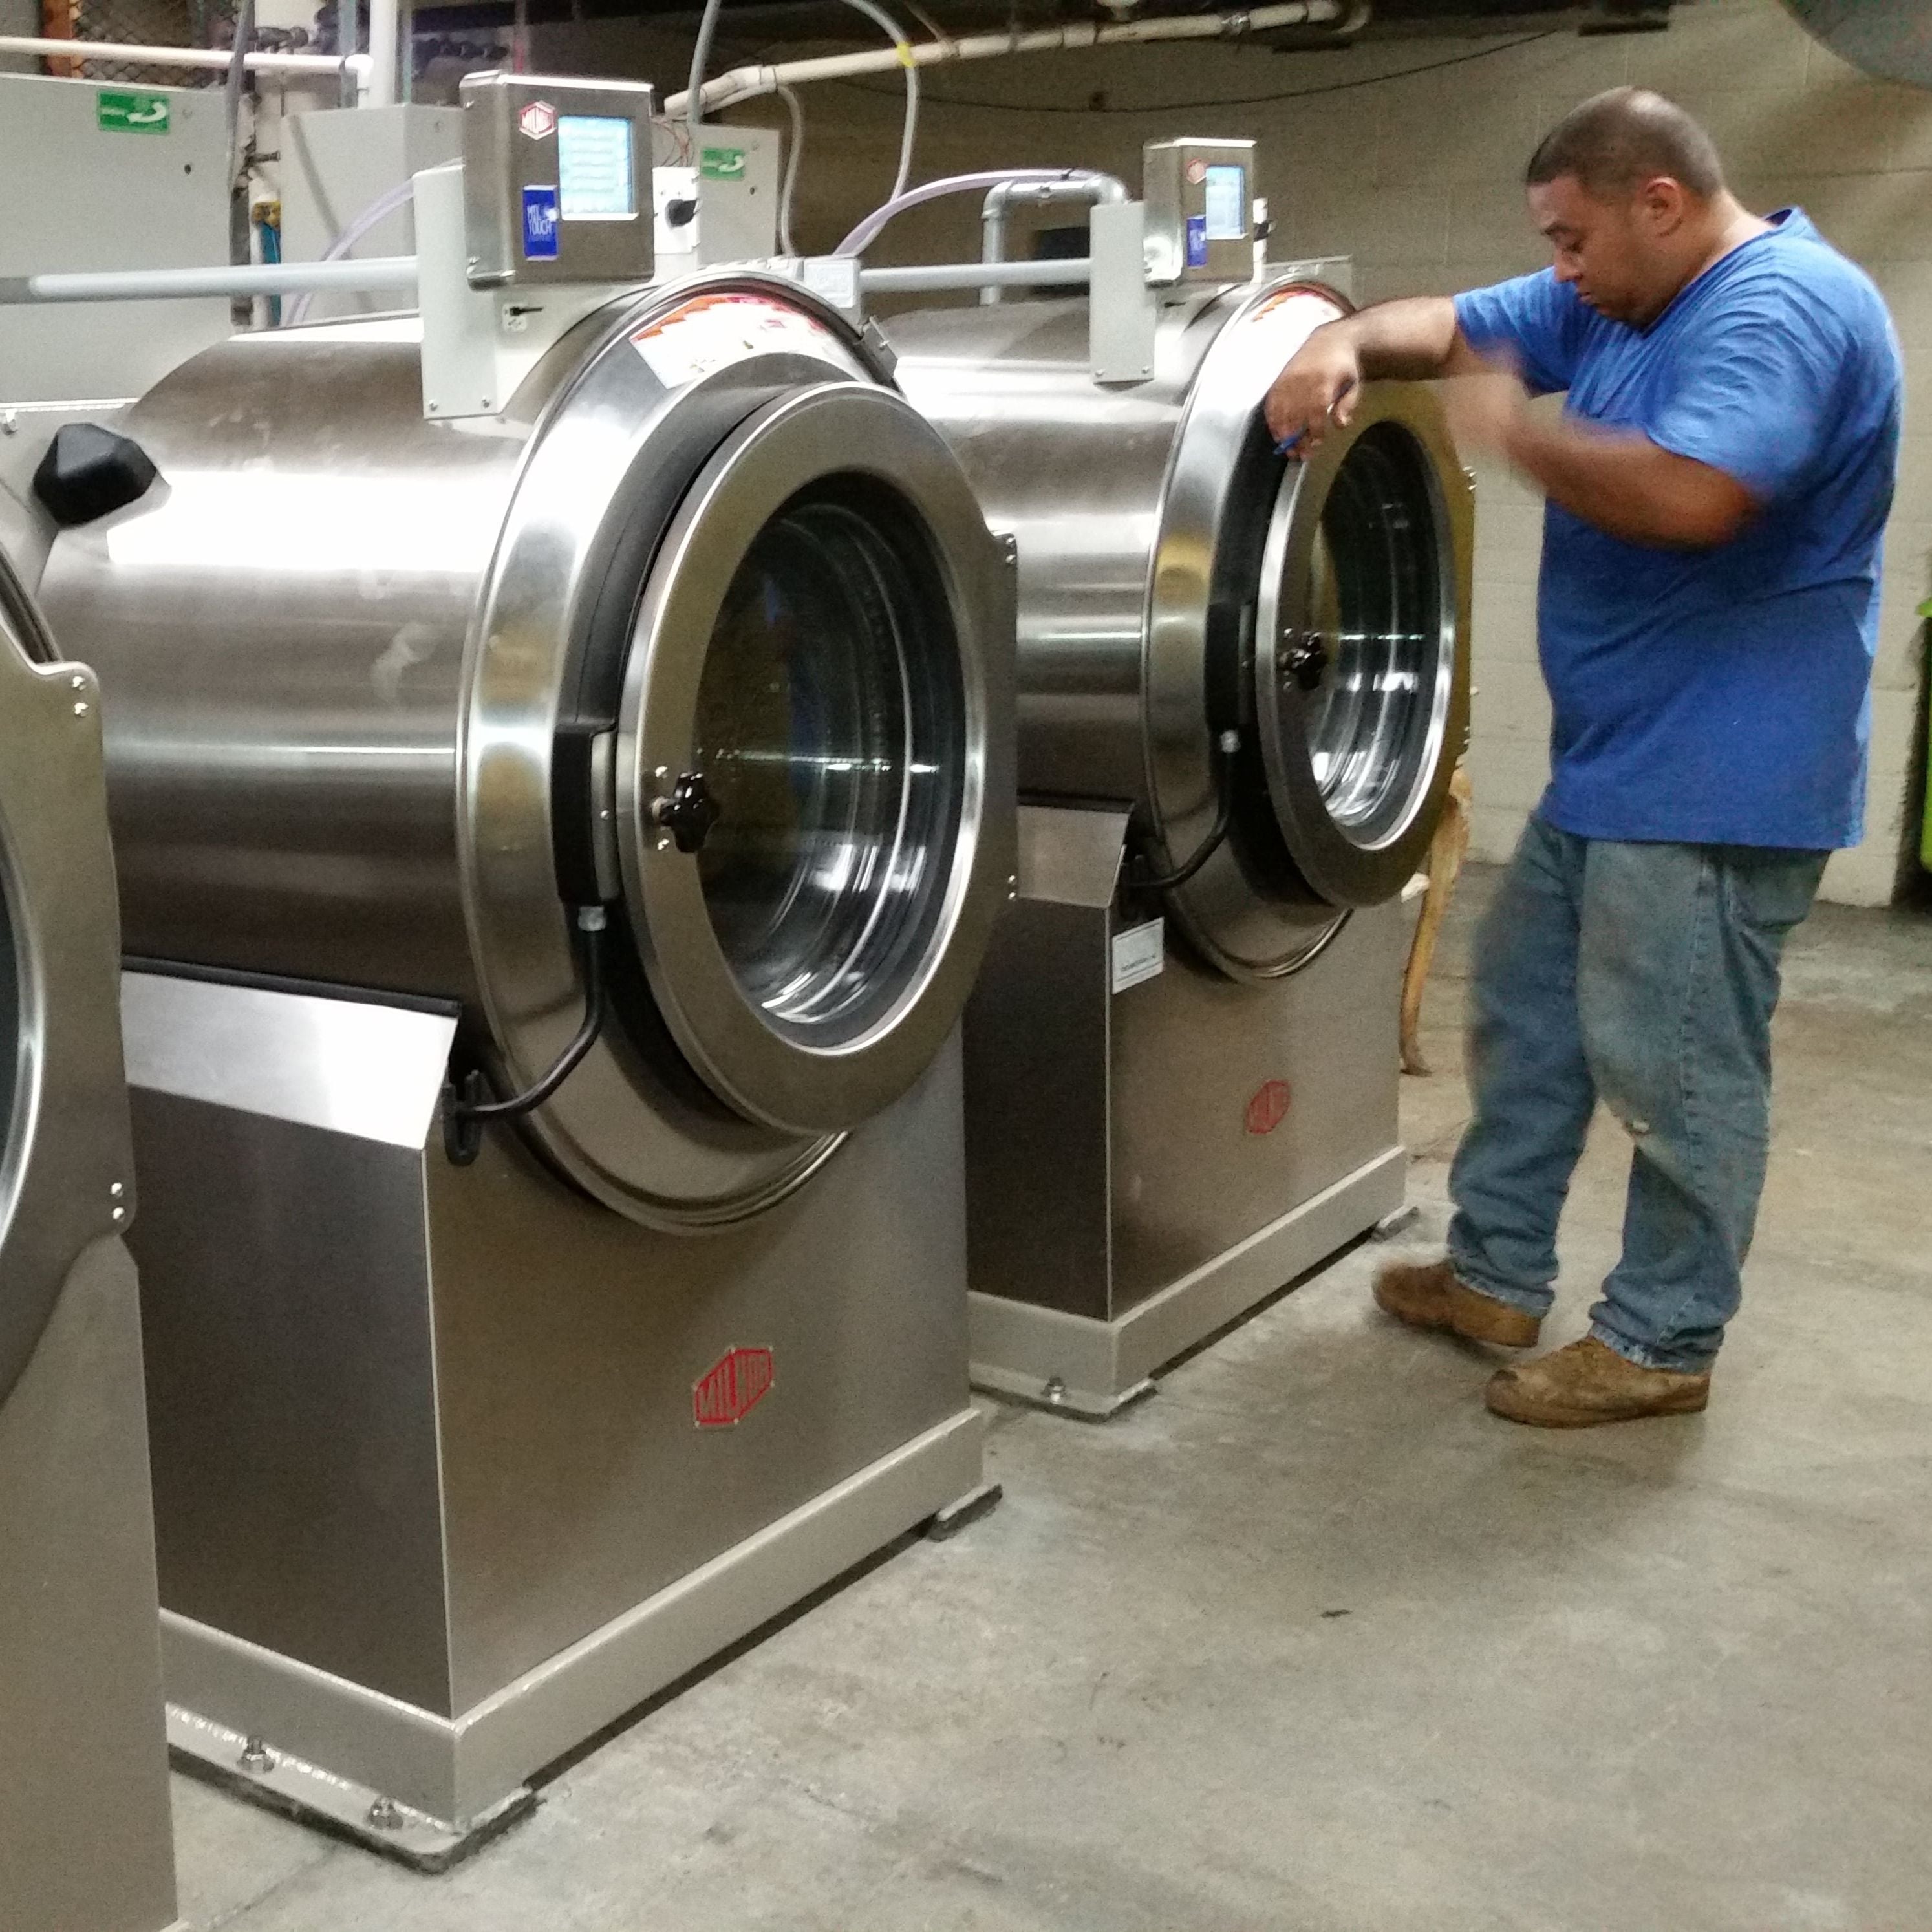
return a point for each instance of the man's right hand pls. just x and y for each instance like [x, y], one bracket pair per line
[1316, 391]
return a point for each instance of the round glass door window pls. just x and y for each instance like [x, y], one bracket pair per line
[829, 738]
[1370, 657]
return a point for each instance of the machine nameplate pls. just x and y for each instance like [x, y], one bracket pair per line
[706, 334]
[1139, 953]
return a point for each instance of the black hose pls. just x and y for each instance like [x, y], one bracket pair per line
[1226, 747]
[465, 1108]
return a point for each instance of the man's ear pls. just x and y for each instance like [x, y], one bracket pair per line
[1662, 205]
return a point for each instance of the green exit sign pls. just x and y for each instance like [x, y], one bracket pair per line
[119, 113]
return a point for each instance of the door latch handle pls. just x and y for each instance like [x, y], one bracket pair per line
[689, 813]
[1304, 660]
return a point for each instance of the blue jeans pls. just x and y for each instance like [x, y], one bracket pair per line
[1644, 975]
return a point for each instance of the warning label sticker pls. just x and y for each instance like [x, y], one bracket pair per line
[713, 331]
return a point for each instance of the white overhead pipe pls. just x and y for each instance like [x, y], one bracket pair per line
[217, 58]
[384, 28]
[277, 278]
[925, 278]
[746, 83]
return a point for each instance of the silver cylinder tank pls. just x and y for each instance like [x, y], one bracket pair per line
[384, 698]
[1177, 577]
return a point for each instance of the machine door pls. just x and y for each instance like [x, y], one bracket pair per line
[66, 1172]
[812, 800]
[1360, 682]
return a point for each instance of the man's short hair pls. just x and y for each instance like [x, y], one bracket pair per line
[1615, 142]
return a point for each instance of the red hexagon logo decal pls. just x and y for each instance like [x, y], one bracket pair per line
[732, 1388]
[538, 120]
[1269, 1107]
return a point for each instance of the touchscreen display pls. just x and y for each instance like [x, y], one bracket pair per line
[595, 178]
[1227, 209]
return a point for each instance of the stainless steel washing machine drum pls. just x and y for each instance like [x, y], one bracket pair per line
[65, 1167]
[708, 629]
[1220, 636]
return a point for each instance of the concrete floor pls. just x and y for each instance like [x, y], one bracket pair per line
[1310, 1641]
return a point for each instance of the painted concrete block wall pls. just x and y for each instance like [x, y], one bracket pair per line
[1417, 176]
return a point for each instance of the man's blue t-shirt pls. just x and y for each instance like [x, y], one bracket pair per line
[1721, 696]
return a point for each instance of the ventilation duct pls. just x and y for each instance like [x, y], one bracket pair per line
[1891, 38]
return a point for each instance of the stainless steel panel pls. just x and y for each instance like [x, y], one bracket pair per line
[1039, 1180]
[1094, 1368]
[574, 1481]
[1071, 856]
[85, 1843]
[374, 1073]
[1111, 1152]
[459, 1771]
[1191, 1052]
[291, 1390]
[84, 1837]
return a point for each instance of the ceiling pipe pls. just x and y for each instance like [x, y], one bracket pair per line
[746, 83]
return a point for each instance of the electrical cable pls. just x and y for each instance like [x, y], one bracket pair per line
[464, 1108]
[789, 188]
[1234, 100]
[1226, 745]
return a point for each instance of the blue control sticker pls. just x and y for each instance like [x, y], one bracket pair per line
[540, 224]
[1197, 239]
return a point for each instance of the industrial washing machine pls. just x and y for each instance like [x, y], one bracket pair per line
[557, 846]
[84, 1817]
[1244, 687]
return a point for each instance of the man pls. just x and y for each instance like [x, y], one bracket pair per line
[1717, 485]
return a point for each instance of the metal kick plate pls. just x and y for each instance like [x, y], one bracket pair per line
[252, 1769]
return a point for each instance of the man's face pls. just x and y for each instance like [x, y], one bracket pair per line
[1618, 252]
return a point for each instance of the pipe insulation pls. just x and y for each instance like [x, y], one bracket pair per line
[747, 83]
[216, 58]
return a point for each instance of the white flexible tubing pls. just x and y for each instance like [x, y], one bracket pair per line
[902, 52]
[379, 210]
[747, 83]
[789, 188]
[217, 58]
[862, 237]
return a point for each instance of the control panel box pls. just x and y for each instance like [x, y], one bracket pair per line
[724, 206]
[1200, 198]
[557, 180]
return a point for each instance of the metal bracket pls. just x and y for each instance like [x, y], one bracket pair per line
[1121, 309]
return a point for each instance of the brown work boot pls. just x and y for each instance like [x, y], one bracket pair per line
[1428, 1296]
[1588, 1383]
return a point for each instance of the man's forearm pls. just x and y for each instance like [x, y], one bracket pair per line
[1625, 485]
[1409, 340]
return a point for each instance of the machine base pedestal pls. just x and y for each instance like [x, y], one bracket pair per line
[245, 1769]
[385, 1750]
[1077, 1365]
